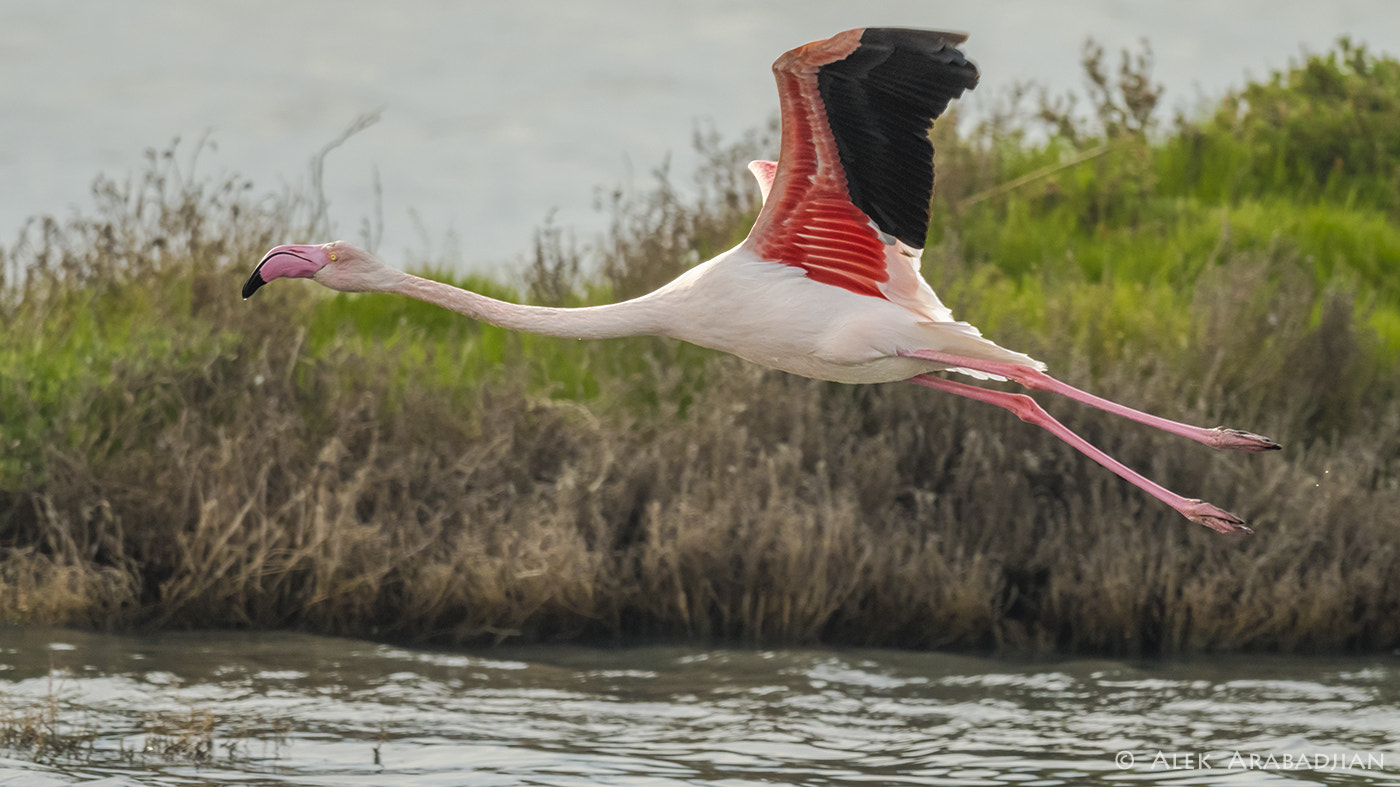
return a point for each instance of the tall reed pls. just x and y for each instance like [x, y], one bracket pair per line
[173, 457]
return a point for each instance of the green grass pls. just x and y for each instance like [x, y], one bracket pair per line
[171, 456]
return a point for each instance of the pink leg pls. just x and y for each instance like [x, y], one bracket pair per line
[1219, 437]
[1027, 410]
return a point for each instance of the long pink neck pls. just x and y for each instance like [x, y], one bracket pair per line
[628, 318]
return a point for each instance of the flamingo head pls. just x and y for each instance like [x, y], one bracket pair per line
[336, 265]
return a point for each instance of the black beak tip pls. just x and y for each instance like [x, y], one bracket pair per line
[254, 282]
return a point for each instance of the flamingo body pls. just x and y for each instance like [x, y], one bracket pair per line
[827, 283]
[811, 328]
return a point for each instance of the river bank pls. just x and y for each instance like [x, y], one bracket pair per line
[371, 467]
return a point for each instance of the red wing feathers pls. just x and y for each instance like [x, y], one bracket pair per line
[855, 170]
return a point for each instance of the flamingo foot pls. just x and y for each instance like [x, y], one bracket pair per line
[1216, 519]
[1222, 437]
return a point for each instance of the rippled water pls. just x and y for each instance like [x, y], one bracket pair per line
[293, 709]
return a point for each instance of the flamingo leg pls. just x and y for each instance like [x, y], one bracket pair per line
[1029, 411]
[1219, 437]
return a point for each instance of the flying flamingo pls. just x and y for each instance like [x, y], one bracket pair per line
[827, 283]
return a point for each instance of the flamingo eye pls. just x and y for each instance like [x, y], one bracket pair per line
[333, 256]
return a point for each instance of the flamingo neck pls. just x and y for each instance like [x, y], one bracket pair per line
[629, 318]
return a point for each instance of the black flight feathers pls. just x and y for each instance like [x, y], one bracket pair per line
[880, 102]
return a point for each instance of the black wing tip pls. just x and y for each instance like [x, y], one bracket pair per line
[938, 45]
[911, 36]
[880, 100]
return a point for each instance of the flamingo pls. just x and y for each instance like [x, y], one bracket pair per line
[827, 283]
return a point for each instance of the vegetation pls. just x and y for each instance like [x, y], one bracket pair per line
[36, 729]
[173, 457]
[52, 728]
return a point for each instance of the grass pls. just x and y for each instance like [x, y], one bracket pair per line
[57, 728]
[41, 730]
[370, 466]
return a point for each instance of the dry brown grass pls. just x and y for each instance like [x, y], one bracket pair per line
[42, 730]
[181, 737]
[776, 510]
[57, 728]
[217, 473]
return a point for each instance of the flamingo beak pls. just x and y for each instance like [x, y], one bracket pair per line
[254, 282]
[297, 262]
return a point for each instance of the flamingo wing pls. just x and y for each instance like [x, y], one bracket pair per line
[849, 201]
[764, 171]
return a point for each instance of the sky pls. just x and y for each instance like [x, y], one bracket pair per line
[495, 115]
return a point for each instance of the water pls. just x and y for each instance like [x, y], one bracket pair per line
[497, 113]
[292, 709]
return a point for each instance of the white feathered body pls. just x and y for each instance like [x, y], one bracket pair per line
[774, 315]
